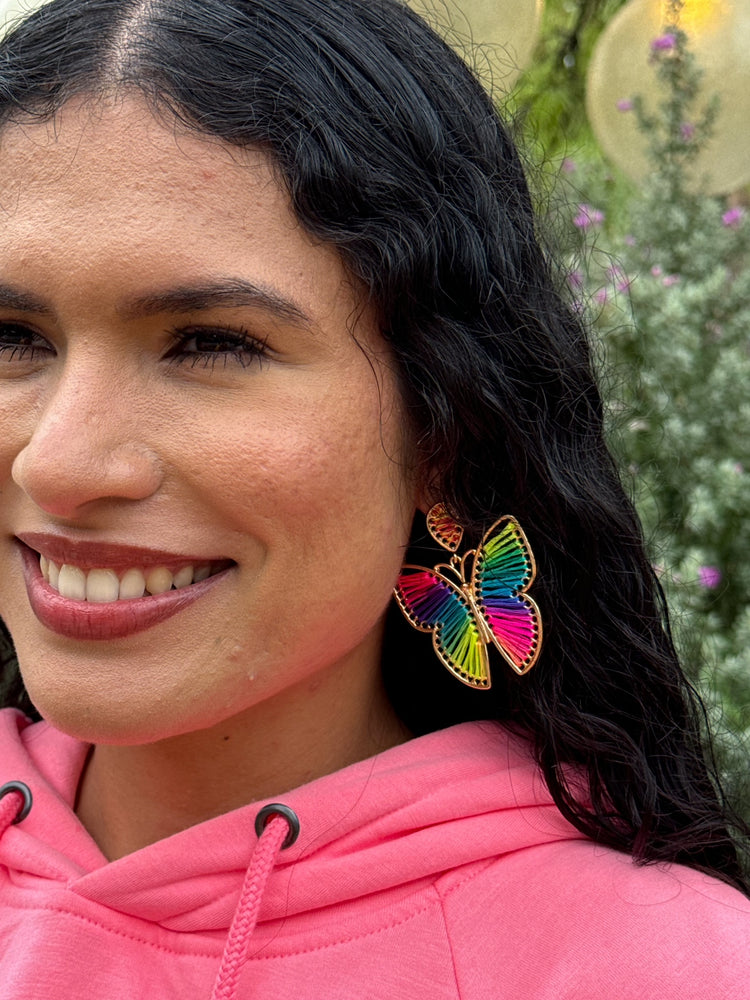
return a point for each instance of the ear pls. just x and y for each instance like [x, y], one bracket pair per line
[428, 490]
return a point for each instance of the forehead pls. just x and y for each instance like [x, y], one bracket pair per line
[120, 149]
[111, 180]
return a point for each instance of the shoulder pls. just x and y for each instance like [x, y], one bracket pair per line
[574, 921]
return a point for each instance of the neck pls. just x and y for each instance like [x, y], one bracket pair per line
[132, 796]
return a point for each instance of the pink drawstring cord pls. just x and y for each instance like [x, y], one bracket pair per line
[278, 827]
[15, 804]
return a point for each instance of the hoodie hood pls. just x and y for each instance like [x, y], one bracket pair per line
[456, 797]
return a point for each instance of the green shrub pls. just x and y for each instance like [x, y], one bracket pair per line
[667, 287]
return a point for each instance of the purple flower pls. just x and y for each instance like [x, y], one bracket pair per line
[733, 218]
[709, 577]
[629, 240]
[588, 216]
[575, 279]
[664, 43]
[619, 279]
[670, 279]
[656, 271]
[625, 104]
[569, 166]
[601, 296]
[687, 131]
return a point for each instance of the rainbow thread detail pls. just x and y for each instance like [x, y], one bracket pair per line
[443, 528]
[467, 613]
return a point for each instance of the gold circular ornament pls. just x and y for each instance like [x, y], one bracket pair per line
[497, 37]
[622, 66]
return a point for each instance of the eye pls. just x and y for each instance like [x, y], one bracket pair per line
[21, 343]
[205, 347]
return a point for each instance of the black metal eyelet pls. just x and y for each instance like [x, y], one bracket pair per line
[25, 791]
[278, 809]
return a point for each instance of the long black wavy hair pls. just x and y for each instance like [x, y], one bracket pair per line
[393, 152]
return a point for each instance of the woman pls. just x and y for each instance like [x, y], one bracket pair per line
[274, 324]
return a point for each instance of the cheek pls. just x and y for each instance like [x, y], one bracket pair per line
[334, 463]
[320, 509]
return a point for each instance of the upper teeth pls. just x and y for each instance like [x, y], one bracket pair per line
[102, 586]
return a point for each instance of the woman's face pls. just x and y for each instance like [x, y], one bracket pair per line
[180, 387]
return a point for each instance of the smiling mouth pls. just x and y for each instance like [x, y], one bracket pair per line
[104, 591]
[105, 586]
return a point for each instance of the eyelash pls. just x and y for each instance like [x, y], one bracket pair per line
[229, 344]
[19, 351]
[239, 347]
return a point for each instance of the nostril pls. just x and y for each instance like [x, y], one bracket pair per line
[66, 474]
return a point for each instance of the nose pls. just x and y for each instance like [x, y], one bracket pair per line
[85, 448]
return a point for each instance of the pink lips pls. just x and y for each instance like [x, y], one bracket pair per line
[84, 620]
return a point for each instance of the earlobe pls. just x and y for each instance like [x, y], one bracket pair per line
[428, 490]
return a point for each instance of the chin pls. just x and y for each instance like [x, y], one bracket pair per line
[90, 724]
[99, 716]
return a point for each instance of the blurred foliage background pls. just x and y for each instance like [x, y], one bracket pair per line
[659, 263]
[662, 271]
[552, 90]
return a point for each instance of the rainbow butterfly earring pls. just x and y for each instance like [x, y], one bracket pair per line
[467, 613]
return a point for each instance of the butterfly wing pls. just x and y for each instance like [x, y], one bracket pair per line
[504, 569]
[432, 603]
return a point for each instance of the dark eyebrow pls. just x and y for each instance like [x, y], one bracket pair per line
[12, 298]
[229, 292]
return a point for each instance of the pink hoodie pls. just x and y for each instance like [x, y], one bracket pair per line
[439, 869]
